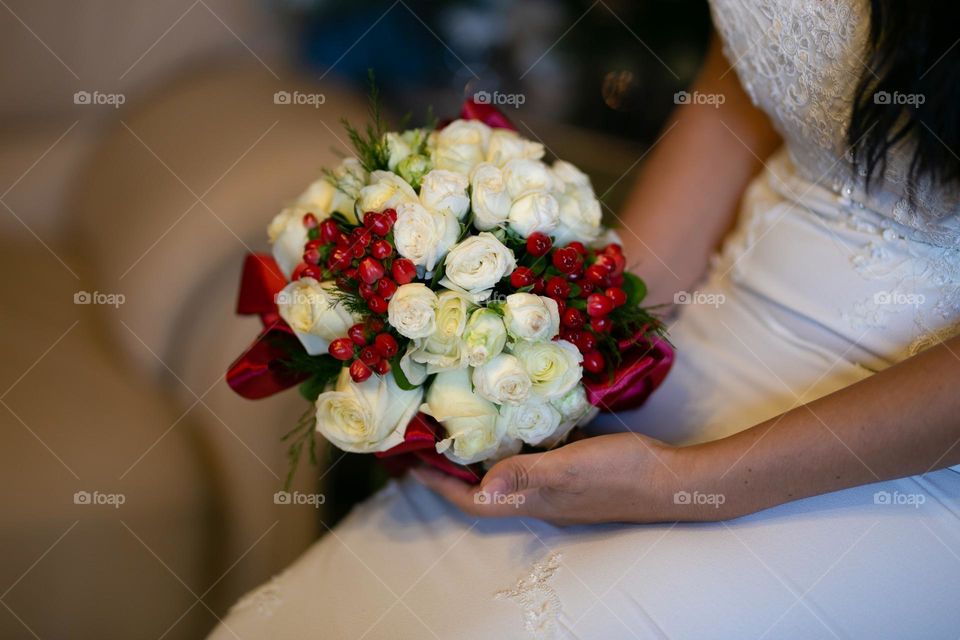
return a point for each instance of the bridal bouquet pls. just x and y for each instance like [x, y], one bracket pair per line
[447, 297]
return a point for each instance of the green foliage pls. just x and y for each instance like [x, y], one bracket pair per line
[299, 437]
[398, 375]
[370, 144]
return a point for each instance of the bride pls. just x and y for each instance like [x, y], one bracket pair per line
[794, 468]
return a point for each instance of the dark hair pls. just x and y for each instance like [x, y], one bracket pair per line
[910, 91]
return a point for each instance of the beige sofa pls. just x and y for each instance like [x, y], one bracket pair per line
[156, 201]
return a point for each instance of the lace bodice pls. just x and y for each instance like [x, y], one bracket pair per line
[800, 60]
[899, 264]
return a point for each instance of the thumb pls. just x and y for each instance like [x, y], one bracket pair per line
[516, 474]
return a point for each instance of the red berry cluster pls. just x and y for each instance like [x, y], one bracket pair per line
[359, 259]
[586, 285]
[367, 347]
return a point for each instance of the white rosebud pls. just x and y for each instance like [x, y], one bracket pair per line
[489, 197]
[469, 420]
[368, 416]
[478, 263]
[398, 148]
[527, 176]
[531, 317]
[313, 313]
[484, 337]
[459, 146]
[445, 192]
[503, 380]
[386, 191]
[506, 145]
[424, 236]
[412, 310]
[536, 211]
[441, 350]
[533, 421]
[553, 367]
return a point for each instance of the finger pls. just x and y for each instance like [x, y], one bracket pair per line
[470, 499]
[518, 474]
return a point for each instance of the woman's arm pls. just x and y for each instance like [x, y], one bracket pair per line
[686, 194]
[900, 422]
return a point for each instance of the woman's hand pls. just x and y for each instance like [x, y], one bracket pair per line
[623, 477]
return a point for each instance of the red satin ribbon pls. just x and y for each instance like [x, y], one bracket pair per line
[260, 371]
[485, 113]
[645, 364]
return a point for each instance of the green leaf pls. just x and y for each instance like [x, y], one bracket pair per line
[399, 376]
[438, 274]
[635, 288]
[313, 387]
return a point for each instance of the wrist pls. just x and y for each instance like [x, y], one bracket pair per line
[711, 484]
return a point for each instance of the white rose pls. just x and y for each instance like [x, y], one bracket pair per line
[478, 263]
[506, 145]
[386, 191]
[442, 349]
[574, 411]
[527, 176]
[580, 216]
[351, 176]
[533, 421]
[367, 416]
[531, 317]
[489, 197]
[470, 421]
[325, 196]
[445, 192]
[573, 406]
[313, 313]
[412, 310]
[484, 337]
[288, 236]
[424, 236]
[537, 211]
[503, 380]
[318, 197]
[460, 145]
[570, 174]
[553, 367]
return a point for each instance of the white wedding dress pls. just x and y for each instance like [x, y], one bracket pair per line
[819, 286]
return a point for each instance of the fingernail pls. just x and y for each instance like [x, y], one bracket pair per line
[494, 487]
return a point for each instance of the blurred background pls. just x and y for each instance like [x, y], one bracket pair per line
[145, 146]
